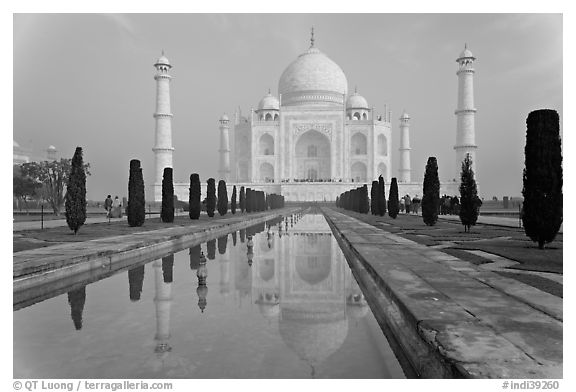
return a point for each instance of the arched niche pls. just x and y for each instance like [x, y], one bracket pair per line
[266, 172]
[312, 156]
[359, 172]
[359, 144]
[266, 145]
[382, 145]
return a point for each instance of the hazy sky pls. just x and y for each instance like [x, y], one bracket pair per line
[87, 80]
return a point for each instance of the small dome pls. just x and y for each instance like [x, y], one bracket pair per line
[163, 60]
[224, 117]
[16, 145]
[466, 53]
[404, 116]
[51, 148]
[269, 102]
[356, 101]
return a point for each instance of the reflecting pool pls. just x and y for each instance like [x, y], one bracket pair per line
[276, 300]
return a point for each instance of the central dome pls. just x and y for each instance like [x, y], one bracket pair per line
[312, 78]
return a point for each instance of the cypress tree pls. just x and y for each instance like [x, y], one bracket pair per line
[393, 201]
[248, 200]
[222, 198]
[211, 197]
[167, 212]
[136, 209]
[242, 199]
[542, 177]
[431, 193]
[364, 203]
[469, 200]
[381, 197]
[194, 199]
[374, 198]
[75, 201]
[233, 202]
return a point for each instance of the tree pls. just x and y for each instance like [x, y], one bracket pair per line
[222, 198]
[542, 177]
[75, 202]
[381, 197]
[364, 203]
[194, 198]
[374, 198]
[53, 175]
[393, 201]
[136, 209]
[233, 202]
[431, 193]
[211, 197]
[242, 199]
[469, 200]
[23, 188]
[167, 211]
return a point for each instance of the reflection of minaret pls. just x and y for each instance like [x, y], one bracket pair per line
[234, 238]
[224, 266]
[202, 289]
[163, 302]
[135, 281]
[76, 300]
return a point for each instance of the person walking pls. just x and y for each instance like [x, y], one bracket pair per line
[117, 208]
[407, 203]
[108, 206]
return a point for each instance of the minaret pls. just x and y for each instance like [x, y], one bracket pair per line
[465, 112]
[405, 170]
[51, 153]
[163, 138]
[224, 150]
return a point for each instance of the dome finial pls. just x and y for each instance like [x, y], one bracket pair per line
[465, 45]
[269, 93]
[355, 89]
[312, 38]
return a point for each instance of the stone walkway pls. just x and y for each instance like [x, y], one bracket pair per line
[480, 323]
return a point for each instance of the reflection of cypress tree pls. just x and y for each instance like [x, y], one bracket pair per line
[242, 235]
[234, 238]
[211, 249]
[136, 281]
[76, 300]
[167, 268]
[195, 257]
[222, 243]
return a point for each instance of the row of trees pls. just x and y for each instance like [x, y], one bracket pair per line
[249, 200]
[355, 200]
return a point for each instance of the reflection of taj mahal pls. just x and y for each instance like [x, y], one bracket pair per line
[315, 140]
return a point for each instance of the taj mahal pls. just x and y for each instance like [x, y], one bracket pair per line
[314, 140]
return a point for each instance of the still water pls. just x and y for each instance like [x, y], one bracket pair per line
[279, 302]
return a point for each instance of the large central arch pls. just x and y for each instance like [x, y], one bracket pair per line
[312, 157]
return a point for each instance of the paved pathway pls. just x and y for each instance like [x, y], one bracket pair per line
[490, 220]
[481, 323]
